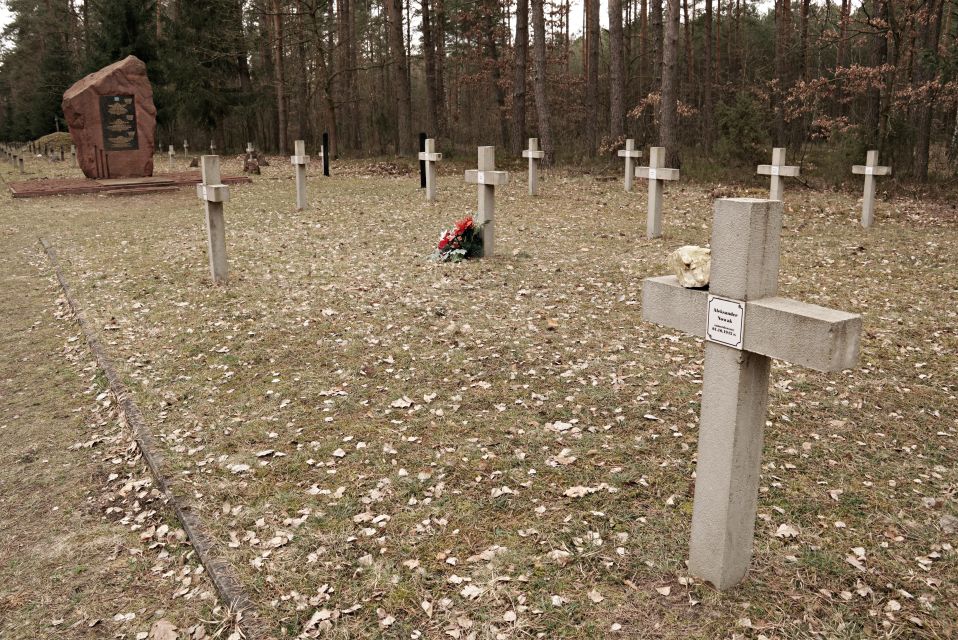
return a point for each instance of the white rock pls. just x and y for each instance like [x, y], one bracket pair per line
[692, 265]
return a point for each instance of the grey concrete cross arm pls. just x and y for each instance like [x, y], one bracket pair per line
[493, 178]
[803, 334]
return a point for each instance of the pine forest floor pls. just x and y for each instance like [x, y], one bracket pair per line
[387, 447]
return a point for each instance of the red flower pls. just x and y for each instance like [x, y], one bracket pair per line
[444, 241]
[463, 225]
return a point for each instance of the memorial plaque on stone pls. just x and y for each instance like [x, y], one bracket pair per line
[118, 115]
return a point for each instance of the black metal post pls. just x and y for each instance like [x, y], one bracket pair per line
[326, 153]
[422, 163]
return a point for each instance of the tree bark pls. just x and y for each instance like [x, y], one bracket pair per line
[592, 76]
[519, 82]
[708, 107]
[782, 29]
[668, 118]
[927, 71]
[655, 9]
[279, 76]
[616, 72]
[429, 59]
[440, 88]
[842, 33]
[404, 142]
[539, 62]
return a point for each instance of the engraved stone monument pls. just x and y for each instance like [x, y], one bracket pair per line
[112, 120]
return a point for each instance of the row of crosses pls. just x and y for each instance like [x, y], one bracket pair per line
[745, 324]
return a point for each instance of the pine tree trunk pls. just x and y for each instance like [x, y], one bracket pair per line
[279, 76]
[689, 66]
[655, 8]
[519, 81]
[668, 118]
[539, 65]
[616, 72]
[440, 87]
[592, 76]
[708, 106]
[404, 142]
[429, 59]
[927, 71]
[842, 33]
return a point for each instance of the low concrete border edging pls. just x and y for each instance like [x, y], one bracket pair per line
[224, 579]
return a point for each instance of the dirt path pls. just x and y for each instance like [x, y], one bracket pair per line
[86, 547]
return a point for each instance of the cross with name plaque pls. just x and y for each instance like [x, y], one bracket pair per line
[214, 193]
[870, 170]
[745, 324]
[487, 178]
[429, 158]
[656, 174]
[778, 169]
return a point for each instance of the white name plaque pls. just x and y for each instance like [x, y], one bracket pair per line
[652, 174]
[481, 177]
[726, 322]
[775, 170]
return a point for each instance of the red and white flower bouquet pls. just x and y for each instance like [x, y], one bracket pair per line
[461, 242]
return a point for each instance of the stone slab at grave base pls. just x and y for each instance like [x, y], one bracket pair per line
[113, 186]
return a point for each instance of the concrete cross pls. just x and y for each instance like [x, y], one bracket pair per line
[778, 169]
[535, 155]
[249, 149]
[300, 160]
[630, 153]
[430, 158]
[870, 170]
[172, 153]
[655, 174]
[186, 149]
[212, 147]
[214, 194]
[745, 325]
[487, 178]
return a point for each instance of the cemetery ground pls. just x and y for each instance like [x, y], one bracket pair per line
[387, 447]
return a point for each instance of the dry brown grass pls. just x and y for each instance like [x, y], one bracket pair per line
[398, 398]
[88, 549]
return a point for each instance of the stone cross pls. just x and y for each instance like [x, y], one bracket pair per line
[249, 149]
[535, 155]
[214, 194]
[186, 149]
[212, 147]
[778, 169]
[745, 325]
[300, 160]
[171, 153]
[429, 157]
[630, 153]
[870, 170]
[655, 174]
[487, 178]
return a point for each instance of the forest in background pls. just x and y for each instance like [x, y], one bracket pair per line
[719, 80]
